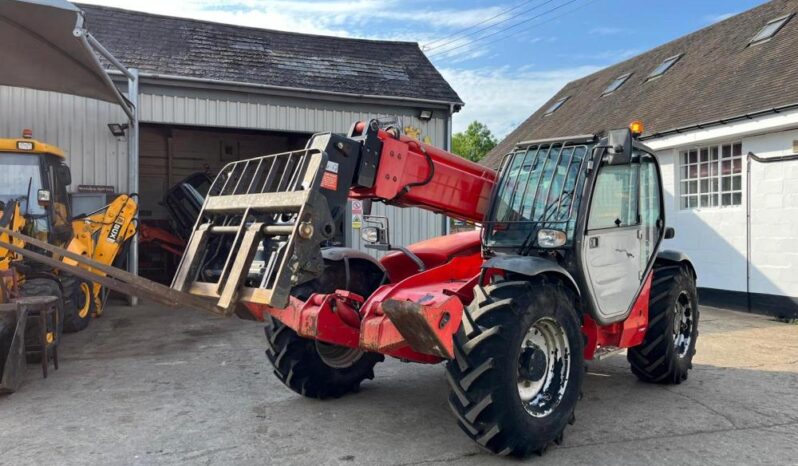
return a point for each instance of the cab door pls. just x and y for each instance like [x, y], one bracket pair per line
[624, 228]
[611, 249]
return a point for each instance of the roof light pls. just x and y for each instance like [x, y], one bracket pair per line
[27, 133]
[556, 106]
[24, 145]
[616, 84]
[663, 67]
[769, 30]
[637, 128]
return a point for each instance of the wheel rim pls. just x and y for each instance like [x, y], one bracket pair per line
[85, 306]
[543, 367]
[683, 322]
[339, 357]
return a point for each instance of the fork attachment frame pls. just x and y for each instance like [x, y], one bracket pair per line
[264, 221]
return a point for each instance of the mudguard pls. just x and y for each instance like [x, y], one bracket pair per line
[339, 253]
[529, 266]
[676, 257]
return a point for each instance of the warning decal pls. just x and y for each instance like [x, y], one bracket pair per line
[329, 181]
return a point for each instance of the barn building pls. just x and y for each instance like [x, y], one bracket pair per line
[213, 93]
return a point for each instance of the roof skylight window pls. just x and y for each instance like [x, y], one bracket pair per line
[616, 84]
[769, 30]
[663, 67]
[555, 106]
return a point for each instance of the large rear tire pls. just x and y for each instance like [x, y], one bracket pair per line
[518, 367]
[666, 354]
[79, 305]
[316, 369]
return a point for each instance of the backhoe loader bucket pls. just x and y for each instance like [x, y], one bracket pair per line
[263, 222]
[13, 321]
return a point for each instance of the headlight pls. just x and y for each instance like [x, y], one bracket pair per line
[551, 238]
[370, 234]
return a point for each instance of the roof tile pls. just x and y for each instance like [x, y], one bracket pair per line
[719, 76]
[200, 49]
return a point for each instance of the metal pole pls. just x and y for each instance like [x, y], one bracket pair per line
[133, 167]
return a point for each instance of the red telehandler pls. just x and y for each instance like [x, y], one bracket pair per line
[567, 268]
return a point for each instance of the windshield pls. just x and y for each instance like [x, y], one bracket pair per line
[19, 175]
[536, 190]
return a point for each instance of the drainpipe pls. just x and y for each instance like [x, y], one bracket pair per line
[133, 167]
[754, 158]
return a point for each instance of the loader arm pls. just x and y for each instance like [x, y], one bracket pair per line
[263, 224]
[101, 236]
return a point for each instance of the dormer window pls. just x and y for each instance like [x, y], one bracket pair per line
[663, 67]
[616, 84]
[769, 30]
[555, 106]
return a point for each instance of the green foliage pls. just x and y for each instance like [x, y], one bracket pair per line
[474, 143]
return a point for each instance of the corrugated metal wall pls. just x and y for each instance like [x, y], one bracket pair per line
[79, 126]
[251, 111]
[75, 124]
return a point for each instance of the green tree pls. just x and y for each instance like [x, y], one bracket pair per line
[474, 143]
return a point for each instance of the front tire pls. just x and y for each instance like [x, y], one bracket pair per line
[518, 367]
[316, 369]
[666, 354]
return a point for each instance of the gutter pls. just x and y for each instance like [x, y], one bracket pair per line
[722, 121]
[166, 77]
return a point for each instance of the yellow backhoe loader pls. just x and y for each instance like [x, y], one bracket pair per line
[33, 201]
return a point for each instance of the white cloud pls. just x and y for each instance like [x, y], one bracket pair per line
[607, 31]
[345, 18]
[502, 98]
[716, 18]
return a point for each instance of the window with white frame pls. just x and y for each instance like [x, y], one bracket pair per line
[711, 176]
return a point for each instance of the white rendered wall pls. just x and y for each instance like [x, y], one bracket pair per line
[774, 216]
[716, 238]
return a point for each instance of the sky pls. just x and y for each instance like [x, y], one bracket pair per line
[505, 58]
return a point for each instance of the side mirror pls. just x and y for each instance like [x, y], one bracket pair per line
[44, 198]
[620, 147]
[670, 233]
[65, 174]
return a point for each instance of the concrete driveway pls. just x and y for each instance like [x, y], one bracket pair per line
[149, 385]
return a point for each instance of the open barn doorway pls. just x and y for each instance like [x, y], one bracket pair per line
[173, 156]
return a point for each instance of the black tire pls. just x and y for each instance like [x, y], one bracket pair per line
[484, 376]
[41, 286]
[314, 369]
[79, 305]
[666, 356]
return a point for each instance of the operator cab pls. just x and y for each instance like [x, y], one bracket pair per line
[593, 205]
[35, 176]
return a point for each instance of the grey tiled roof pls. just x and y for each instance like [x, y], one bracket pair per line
[718, 76]
[206, 50]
